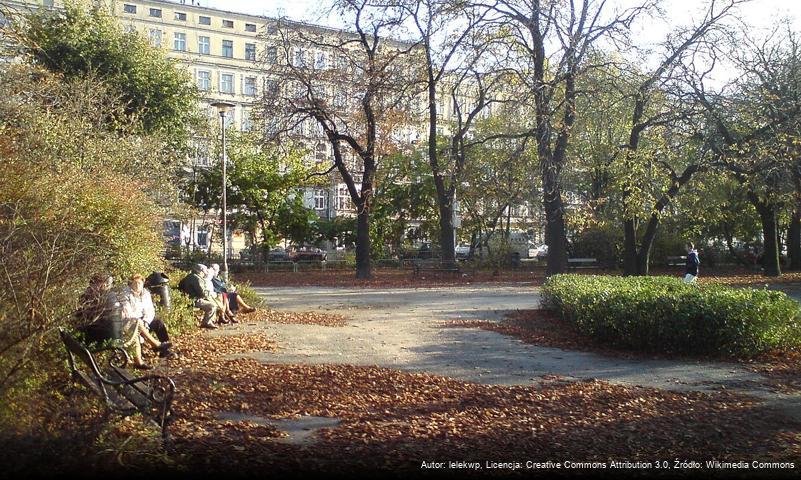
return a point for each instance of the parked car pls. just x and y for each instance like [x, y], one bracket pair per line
[462, 251]
[278, 255]
[540, 253]
[308, 254]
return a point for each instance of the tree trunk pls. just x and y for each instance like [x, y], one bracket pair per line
[555, 232]
[794, 239]
[644, 255]
[363, 269]
[767, 216]
[629, 248]
[446, 238]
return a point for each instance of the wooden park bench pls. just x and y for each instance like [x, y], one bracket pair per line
[676, 261]
[124, 393]
[435, 265]
[575, 263]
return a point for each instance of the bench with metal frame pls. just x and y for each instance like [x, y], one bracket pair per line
[576, 263]
[434, 265]
[676, 261]
[124, 393]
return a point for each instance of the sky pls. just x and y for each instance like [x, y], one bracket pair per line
[757, 12]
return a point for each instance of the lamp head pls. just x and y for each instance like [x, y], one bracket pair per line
[222, 107]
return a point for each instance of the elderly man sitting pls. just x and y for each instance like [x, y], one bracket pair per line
[195, 287]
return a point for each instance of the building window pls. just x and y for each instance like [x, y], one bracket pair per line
[229, 118]
[155, 12]
[180, 16]
[272, 55]
[228, 23]
[129, 29]
[203, 45]
[319, 61]
[204, 80]
[298, 58]
[343, 198]
[320, 153]
[250, 51]
[127, 8]
[155, 37]
[250, 86]
[319, 200]
[228, 48]
[227, 83]
[180, 42]
[47, 3]
[247, 124]
[270, 87]
[204, 20]
[250, 27]
[340, 98]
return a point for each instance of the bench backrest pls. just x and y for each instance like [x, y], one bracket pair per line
[76, 349]
[581, 260]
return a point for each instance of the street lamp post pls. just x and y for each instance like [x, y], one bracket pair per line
[223, 108]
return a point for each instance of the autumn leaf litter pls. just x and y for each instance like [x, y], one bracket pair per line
[394, 420]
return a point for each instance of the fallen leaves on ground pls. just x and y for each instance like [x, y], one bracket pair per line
[385, 277]
[296, 318]
[390, 278]
[749, 278]
[393, 420]
[782, 370]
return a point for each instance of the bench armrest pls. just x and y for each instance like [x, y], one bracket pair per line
[119, 357]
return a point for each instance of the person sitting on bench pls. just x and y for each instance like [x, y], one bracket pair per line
[195, 287]
[232, 300]
[95, 308]
[137, 314]
[223, 314]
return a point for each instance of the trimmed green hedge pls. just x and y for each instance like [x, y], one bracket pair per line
[666, 315]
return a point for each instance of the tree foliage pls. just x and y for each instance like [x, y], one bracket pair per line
[79, 41]
[73, 201]
[262, 189]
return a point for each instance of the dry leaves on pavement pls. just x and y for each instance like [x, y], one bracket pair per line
[389, 278]
[781, 370]
[394, 420]
[296, 318]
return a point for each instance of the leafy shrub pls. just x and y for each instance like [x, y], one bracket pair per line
[77, 199]
[181, 318]
[665, 314]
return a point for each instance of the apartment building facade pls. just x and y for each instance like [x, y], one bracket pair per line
[223, 52]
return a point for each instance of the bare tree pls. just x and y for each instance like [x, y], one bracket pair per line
[349, 88]
[550, 41]
[680, 51]
[459, 85]
[754, 122]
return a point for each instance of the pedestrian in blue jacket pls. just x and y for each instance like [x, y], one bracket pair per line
[691, 272]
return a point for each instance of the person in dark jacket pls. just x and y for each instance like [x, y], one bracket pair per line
[95, 308]
[231, 299]
[194, 286]
[691, 272]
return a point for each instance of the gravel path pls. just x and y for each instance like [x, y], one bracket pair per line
[402, 329]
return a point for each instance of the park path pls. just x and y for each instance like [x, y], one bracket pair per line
[402, 328]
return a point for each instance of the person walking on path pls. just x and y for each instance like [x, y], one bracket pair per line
[195, 286]
[691, 272]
